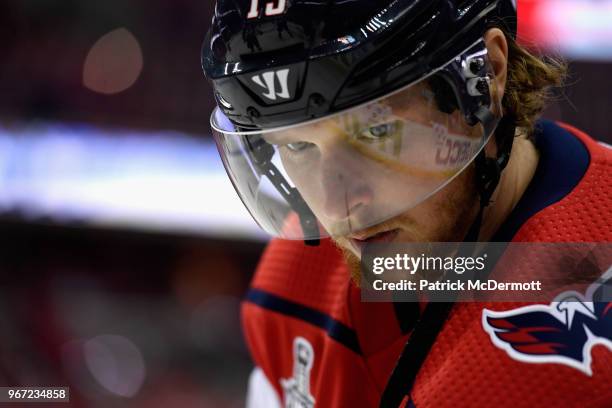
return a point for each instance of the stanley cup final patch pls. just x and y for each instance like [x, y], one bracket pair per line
[297, 388]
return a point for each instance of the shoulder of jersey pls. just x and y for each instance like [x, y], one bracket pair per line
[584, 214]
[314, 277]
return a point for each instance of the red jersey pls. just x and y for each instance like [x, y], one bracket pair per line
[319, 345]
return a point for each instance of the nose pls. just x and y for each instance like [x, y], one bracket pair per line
[344, 182]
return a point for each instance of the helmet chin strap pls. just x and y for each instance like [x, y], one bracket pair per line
[489, 170]
[261, 154]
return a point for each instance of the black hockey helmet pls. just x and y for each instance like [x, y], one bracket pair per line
[340, 53]
[280, 68]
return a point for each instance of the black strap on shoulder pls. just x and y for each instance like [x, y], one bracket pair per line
[414, 353]
[423, 336]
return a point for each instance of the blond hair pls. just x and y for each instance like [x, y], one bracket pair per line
[530, 85]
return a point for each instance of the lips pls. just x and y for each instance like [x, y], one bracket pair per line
[382, 237]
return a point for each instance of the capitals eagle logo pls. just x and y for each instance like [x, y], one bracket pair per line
[562, 332]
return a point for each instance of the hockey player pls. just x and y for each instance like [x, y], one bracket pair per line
[345, 123]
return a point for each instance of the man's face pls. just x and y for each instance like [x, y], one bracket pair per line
[391, 171]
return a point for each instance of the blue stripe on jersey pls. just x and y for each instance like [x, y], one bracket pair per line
[334, 329]
[563, 162]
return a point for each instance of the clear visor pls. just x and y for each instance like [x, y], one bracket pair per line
[348, 172]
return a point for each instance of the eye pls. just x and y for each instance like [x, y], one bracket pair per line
[378, 132]
[298, 146]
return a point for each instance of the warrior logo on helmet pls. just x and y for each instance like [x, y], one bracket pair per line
[268, 81]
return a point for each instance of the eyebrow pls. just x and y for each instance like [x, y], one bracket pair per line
[282, 138]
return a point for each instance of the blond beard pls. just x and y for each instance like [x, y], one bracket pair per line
[454, 208]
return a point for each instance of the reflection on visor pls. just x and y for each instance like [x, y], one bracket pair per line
[352, 170]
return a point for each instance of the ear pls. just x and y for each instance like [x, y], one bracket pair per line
[497, 45]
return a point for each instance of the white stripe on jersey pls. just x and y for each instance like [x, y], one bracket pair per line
[261, 394]
[605, 145]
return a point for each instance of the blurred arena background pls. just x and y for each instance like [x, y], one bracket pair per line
[124, 250]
